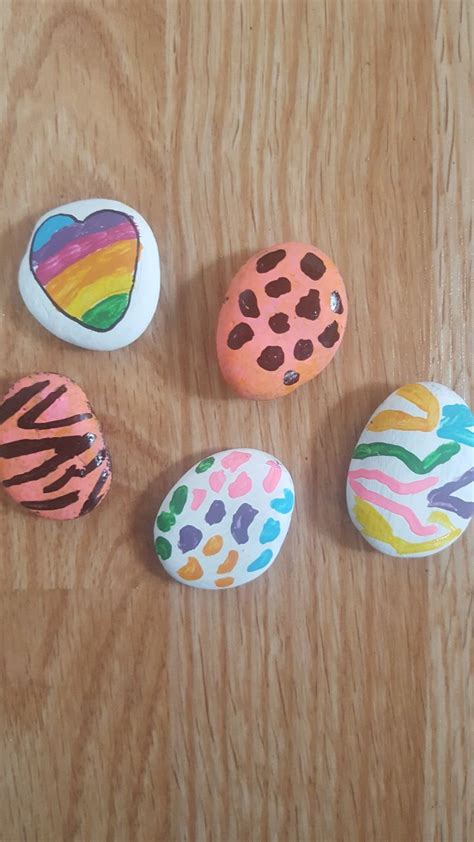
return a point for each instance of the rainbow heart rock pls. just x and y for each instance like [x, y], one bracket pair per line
[224, 522]
[411, 478]
[91, 274]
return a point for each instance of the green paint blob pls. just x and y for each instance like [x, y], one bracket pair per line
[106, 313]
[178, 500]
[418, 466]
[163, 548]
[165, 521]
[205, 465]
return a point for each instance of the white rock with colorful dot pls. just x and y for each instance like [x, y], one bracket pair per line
[410, 487]
[91, 274]
[224, 522]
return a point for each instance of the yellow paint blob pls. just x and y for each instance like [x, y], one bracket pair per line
[395, 419]
[374, 525]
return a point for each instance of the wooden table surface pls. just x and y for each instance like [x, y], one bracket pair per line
[328, 701]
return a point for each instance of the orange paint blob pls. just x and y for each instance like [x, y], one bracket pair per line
[214, 545]
[192, 570]
[229, 563]
[224, 583]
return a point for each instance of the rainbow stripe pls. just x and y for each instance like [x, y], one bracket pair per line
[87, 268]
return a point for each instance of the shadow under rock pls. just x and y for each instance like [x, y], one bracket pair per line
[193, 313]
[13, 242]
[335, 442]
[147, 507]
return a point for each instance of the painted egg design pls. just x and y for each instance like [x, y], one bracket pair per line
[224, 522]
[410, 487]
[53, 457]
[91, 274]
[282, 321]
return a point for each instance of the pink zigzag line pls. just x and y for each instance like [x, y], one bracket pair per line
[395, 484]
[392, 506]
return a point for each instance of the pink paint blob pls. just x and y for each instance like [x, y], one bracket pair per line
[217, 480]
[394, 484]
[199, 495]
[273, 477]
[392, 506]
[242, 485]
[234, 460]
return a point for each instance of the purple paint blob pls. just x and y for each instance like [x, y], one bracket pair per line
[189, 538]
[97, 221]
[241, 521]
[216, 512]
[443, 497]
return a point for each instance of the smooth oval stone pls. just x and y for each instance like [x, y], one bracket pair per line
[282, 321]
[53, 457]
[224, 522]
[91, 274]
[411, 478]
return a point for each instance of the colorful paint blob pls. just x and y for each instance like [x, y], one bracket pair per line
[249, 500]
[410, 486]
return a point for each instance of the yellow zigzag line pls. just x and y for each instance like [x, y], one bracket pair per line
[374, 525]
[395, 419]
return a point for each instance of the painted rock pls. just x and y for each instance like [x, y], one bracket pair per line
[91, 274]
[411, 479]
[282, 321]
[53, 457]
[224, 522]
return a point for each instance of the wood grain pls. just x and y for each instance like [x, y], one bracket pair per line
[331, 700]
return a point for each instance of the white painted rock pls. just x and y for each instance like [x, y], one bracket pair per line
[224, 522]
[91, 274]
[411, 479]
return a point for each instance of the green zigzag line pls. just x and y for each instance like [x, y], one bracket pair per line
[443, 453]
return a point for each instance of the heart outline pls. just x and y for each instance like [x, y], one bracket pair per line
[118, 213]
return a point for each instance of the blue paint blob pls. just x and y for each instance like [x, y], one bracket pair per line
[189, 538]
[262, 561]
[283, 504]
[241, 521]
[270, 531]
[49, 227]
[455, 424]
[216, 512]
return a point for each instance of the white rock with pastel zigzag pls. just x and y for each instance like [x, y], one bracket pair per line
[411, 478]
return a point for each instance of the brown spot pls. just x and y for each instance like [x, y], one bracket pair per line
[279, 323]
[308, 306]
[336, 303]
[271, 358]
[279, 287]
[329, 336]
[312, 266]
[248, 304]
[290, 378]
[303, 349]
[239, 335]
[270, 260]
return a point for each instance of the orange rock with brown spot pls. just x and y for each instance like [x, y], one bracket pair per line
[282, 322]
